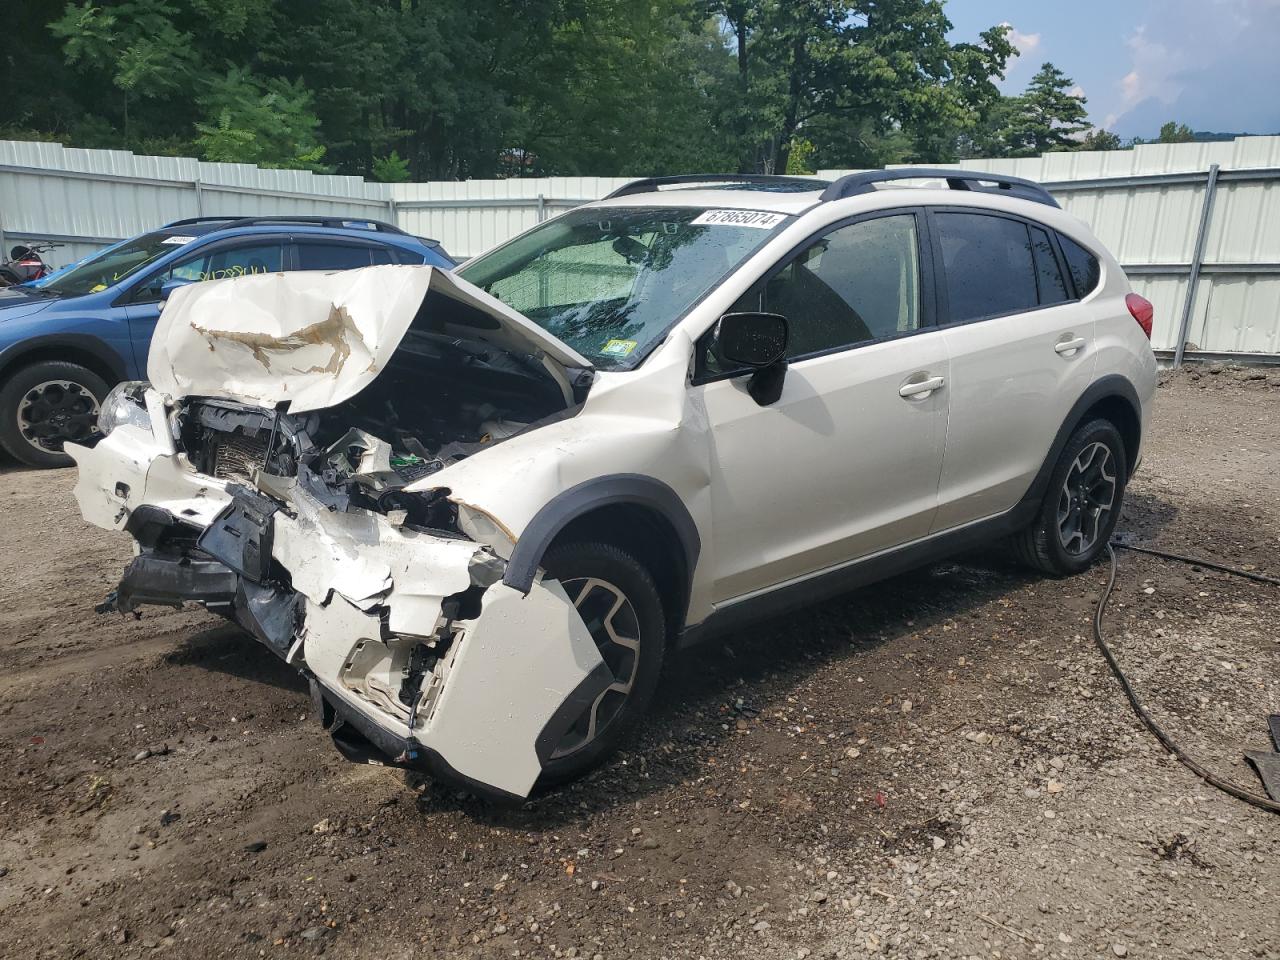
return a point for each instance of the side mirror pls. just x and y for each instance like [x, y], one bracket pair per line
[169, 286]
[751, 339]
[756, 340]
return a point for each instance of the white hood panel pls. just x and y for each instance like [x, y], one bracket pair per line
[313, 339]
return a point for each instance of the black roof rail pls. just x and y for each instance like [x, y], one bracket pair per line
[855, 184]
[188, 221]
[653, 184]
[232, 221]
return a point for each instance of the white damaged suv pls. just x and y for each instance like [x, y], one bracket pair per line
[477, 509]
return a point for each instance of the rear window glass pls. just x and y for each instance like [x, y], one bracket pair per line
[1053, 286]
[1083, 265]
[988, 266]
[331, 256]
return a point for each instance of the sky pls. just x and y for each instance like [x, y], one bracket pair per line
[1211, 64]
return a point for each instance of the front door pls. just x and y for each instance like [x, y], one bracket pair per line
[846, 462]
[238, 258]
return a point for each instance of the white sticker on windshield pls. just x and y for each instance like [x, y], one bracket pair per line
[177, 240]
[740, 218]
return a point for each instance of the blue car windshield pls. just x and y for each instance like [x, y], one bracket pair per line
[108, 267]
[610, 282]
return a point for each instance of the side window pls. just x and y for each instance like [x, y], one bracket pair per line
[857, 283]
[331, 256]
[380, 255]
[987, 266]
[1083, 265]
[1053, 286]
[401, 255]
[219, 264]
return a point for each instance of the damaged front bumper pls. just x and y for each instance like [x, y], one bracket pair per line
[417, 653]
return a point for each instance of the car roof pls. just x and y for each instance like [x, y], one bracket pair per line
[334, 226]
[794, 195]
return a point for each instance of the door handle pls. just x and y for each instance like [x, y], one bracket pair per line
[920, 388]
[1067, 347]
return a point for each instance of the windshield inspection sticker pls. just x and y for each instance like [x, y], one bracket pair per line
[739, 218]
[618, 348]
[177, 240]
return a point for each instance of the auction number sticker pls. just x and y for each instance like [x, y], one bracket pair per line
[759, 219]
[177, 240]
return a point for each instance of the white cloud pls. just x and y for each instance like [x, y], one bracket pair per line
[1203, 63]
[1076, 91]
[1025, 43]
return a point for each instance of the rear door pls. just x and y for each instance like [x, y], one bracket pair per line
[1022, 351]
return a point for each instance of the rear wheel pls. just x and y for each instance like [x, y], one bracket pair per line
[45, 405]
[1082, 504]
[619, 603]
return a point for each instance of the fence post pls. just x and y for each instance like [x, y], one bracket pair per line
[542, 208]
[199, 197]
[391, 211]
[1197, 260]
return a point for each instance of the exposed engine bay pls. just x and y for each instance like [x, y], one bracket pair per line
[440, 399]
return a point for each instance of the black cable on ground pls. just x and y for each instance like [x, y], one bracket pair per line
[1264, 803]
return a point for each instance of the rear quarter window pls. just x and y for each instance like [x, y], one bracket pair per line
[1083, 265]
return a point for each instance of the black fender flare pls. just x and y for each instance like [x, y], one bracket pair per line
[83, 342]
[1112, 385]
[578, 500]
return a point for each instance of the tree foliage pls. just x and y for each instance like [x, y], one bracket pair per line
[1174, 132]
[447, 89]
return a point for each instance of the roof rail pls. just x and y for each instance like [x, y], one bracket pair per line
[855, 184]
[653, 184]
[232, 221]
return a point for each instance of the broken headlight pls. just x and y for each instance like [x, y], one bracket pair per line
[125, 404]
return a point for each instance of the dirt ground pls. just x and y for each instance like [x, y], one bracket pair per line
[938, 766]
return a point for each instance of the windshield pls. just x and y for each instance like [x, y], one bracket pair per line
[110, 266]
[610, 282]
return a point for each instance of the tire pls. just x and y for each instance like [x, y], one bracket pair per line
[49, 395]
[574, 564]
[1074, 523]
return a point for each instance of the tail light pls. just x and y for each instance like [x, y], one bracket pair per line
[1142, 311]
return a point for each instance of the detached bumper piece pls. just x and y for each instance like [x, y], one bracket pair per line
[223, 570]
[360, 740]
[168, 582]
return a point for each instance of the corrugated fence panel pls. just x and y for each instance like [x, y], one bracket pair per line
[474, 215]
[1145, 204]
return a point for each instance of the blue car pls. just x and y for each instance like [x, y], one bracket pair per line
[67, 339]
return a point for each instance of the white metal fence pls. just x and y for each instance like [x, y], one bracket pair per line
[1197, 225]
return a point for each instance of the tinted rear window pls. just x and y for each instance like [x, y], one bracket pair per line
[988, 266]
[1083, 265]
[331, 256]
[1053, 286]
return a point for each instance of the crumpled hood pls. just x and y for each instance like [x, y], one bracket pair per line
[316, 339]
[16, 303]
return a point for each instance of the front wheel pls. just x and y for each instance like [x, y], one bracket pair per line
[618, 601]
[44, 405]
[1082, 504]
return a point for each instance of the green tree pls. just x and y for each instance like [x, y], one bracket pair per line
[1047, 117]
[1174, 132]
[391, 169]
[268, 122]
[1099, 139]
